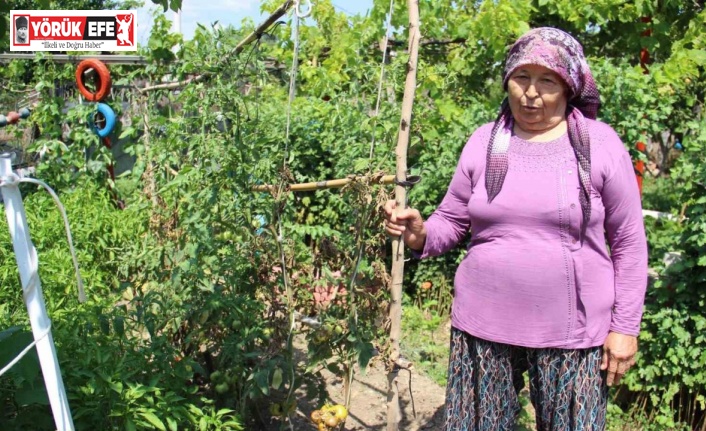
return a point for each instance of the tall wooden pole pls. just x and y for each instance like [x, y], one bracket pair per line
[393, 396]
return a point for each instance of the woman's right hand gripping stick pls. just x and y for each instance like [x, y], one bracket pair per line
[407, 222]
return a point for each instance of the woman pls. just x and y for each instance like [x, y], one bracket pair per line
[541, 190]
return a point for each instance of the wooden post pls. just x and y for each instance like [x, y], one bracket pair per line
[393, 397]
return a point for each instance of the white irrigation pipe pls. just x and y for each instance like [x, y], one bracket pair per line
[26, 256]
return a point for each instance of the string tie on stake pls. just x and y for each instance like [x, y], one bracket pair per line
[410, 182]
[302, 13]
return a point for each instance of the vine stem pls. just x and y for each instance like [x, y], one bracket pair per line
[382, 76]
[255, 35]
[393, 399]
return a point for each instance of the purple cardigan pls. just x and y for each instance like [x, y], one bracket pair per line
[527, 279]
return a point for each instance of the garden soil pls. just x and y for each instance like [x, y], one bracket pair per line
[368, 408]
[422, 408]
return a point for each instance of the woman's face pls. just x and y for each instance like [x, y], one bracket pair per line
[537, 98]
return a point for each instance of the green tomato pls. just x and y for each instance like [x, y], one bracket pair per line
[216, 377]
[222, 388]
[276, 409]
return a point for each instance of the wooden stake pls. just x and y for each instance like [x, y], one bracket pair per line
[393, 396]
[328, 184]
[259, 31]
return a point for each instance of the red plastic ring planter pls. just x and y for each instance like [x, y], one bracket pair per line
[13, 117]
[102, 79]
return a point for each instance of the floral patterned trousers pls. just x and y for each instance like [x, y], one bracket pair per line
[567, 387]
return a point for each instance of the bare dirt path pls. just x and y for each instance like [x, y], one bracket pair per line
[368, 408]
[421, 410]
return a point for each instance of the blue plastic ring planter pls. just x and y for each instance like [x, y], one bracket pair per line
[109, 115]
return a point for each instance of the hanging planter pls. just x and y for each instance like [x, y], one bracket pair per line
[102, 79]
[102, 122]
[13, 117]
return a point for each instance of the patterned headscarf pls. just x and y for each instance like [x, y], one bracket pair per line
[560, 52]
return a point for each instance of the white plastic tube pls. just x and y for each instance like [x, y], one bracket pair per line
[26, 257]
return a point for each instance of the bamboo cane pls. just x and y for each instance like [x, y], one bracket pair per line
[320, 185]
[259, 31]
[393, 398]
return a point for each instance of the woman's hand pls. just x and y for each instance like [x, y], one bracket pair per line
[406, 222]
[618, 356]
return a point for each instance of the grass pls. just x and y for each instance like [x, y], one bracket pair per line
[426, 341]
